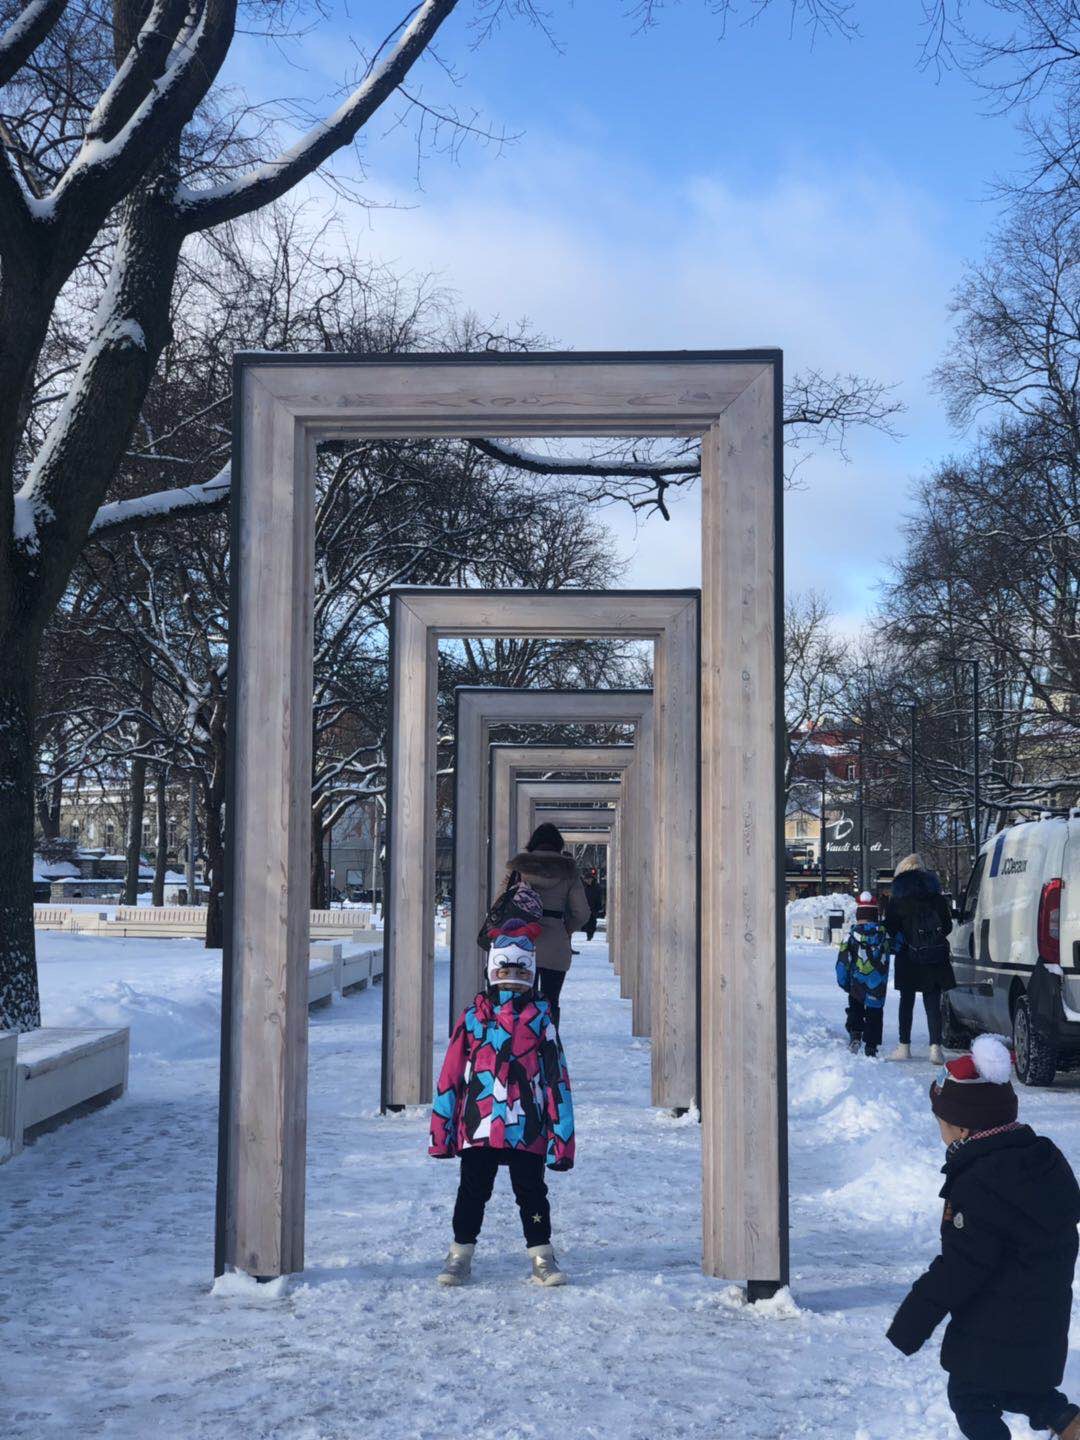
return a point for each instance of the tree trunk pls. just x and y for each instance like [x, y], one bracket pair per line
[318, 869]
[49, 797]
[20, 1005]
[161, 856]
[137, 805]
[215, 864]
[192, 893]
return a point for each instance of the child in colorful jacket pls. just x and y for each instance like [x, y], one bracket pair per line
[503, 1098]
[862, 970]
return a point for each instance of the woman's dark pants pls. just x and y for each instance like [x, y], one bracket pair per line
[550, 986]
[932, 1005]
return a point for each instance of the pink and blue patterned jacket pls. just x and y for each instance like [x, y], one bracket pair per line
[504, 1083]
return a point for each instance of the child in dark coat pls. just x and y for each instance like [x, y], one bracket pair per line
[1008, 1250]
[862, 971]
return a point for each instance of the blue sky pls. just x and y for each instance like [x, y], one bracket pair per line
[676, 188]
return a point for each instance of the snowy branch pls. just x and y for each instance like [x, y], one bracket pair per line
[162, 505]
[201, 209]
[24, 35]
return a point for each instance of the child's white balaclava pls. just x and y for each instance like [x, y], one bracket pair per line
[511, 964]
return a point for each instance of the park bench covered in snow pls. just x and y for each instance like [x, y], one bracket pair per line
[59, 1069]
[322, 982]
[361, 965]
[356, 966]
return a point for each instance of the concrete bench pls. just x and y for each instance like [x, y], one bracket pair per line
[356, 966]
[333, 923]
[361, 965]
[9, 1055]
[322, 982]
[60, 1069]
[162, 914]
[52, 917]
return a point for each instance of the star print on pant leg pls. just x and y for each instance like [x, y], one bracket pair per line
[537, 1219]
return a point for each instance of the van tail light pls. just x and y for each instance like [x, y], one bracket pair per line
[1049, 935]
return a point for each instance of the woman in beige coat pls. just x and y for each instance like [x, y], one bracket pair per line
[554, 876]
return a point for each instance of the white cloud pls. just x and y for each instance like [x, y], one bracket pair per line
[845, 270]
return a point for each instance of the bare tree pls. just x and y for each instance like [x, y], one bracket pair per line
[815, 672]
[119, 147]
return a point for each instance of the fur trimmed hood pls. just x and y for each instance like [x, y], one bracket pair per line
[543, 862]
[544, 868]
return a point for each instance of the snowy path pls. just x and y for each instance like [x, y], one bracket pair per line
[107, 1326]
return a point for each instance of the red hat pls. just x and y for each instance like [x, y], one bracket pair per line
[975, 1090]
[866, 907]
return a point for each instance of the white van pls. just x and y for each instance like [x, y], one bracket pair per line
[1016, 947]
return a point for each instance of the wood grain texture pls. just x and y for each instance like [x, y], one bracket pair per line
[743, 1133]
[564, 397]
[531, 794]
[509, 763]
[267, 1109]
[479, 709]
[675, 716]
[630, 940]
[284, 410]
[649, 821]
[408, 995]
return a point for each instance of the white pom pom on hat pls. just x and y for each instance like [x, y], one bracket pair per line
[866, 898]
[992, 1058]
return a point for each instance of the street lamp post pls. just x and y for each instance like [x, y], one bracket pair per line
[822, 833]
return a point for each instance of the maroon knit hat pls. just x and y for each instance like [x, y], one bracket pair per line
[975, 1091]
[866, 907]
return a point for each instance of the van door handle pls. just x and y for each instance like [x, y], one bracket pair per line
[971, 945]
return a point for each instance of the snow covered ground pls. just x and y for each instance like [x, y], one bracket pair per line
[108, 1326]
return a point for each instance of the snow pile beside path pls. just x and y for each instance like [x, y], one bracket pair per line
[819, 907]
[167, 991]
[167, 1027]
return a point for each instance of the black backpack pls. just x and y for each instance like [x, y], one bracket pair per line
[925, 934]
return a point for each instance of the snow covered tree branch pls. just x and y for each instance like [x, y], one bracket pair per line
[274, 178]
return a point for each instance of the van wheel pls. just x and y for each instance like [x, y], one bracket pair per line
[953, 1034]
[1036, 1058]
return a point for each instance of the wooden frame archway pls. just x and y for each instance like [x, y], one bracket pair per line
[283, 407]
[507, 762]
[419, 618]
[477, 711]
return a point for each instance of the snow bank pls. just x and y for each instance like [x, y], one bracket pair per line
[817, 908]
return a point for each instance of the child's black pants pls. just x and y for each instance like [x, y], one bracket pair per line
[978, 1410]
[865, 1020]
[479, 1167]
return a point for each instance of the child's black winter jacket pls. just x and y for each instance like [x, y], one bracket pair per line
[1008, 1250]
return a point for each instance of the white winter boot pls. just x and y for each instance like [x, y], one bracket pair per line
[457, 1267]
[545, 1268]
[937, 1055]
[902, 1052]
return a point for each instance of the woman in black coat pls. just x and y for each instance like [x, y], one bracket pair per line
[918, 922]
